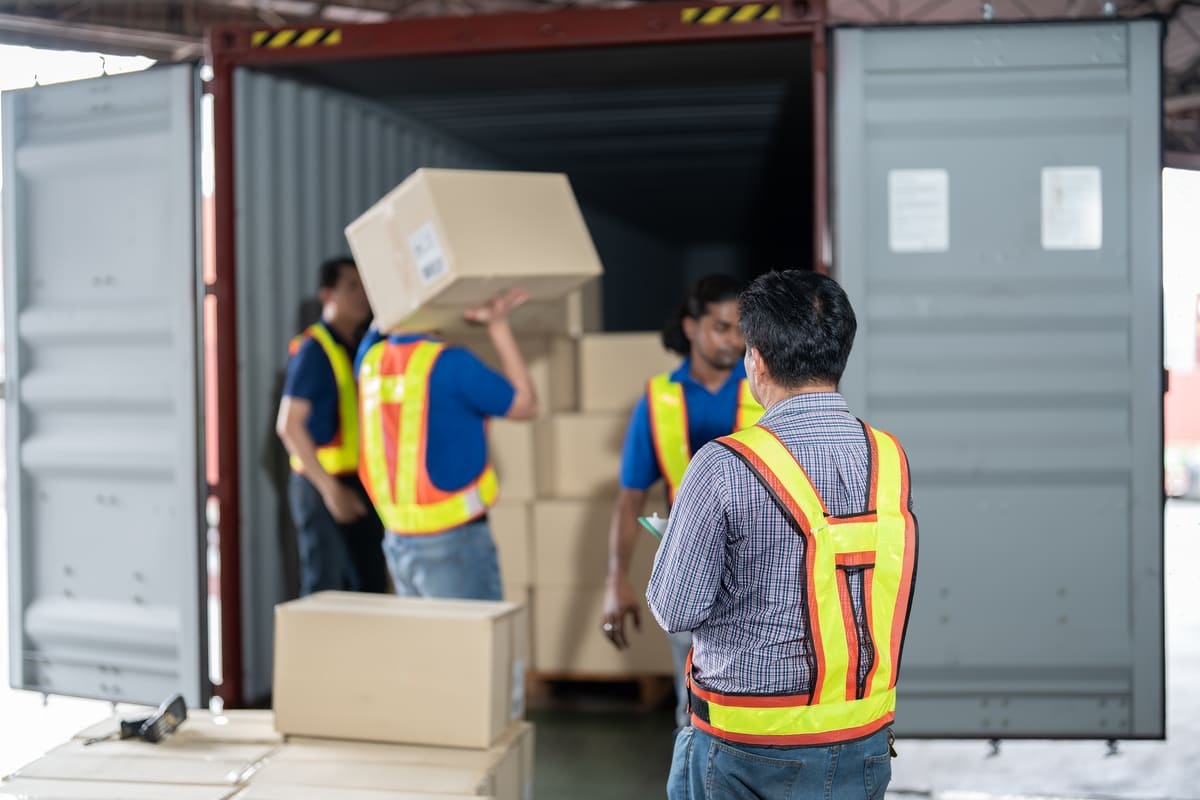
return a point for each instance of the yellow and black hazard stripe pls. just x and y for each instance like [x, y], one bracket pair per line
[717, 15]
[297, 37]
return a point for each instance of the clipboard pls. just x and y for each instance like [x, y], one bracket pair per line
[655, 524]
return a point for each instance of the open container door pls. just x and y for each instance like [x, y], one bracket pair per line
[998, 230]
[104, 483]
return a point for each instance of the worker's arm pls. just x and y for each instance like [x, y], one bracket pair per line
[620, 600]
[344, 505]
[494, 315]
[691, 559]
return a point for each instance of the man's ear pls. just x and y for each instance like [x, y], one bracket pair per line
[689, 328]
[324, 295]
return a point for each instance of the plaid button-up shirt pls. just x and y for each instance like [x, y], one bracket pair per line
[731, 567]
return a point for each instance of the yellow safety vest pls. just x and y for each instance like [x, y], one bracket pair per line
[669, 425]
[394, 399]
[882, 543]
[339, 456]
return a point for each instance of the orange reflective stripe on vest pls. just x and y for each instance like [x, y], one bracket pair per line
[880, 544]
[339, 456]
[669, 425]
[394, 396]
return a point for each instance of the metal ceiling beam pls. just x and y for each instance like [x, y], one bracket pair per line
[40, 32]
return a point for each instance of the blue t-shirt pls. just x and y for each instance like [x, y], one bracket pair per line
[709, 415]
[310, 377]
[463, 393]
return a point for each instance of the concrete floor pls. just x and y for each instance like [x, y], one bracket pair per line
[609, 755]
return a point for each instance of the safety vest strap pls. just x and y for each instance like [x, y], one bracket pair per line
[340, 455]
[879, 547]
[748, 409]
[404, 497]
[669, 429]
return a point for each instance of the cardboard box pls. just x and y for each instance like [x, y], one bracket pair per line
[567, 637]
[507, 767]
[124, 769]
[512, 531]
[170, 748]
[615, 367]
[512, 451]
[292, 792]
[38, 789]
[404, 670]
[552, 362]
[240, 726]
[445, 240]
[348, 775]
[571, 543]
[579, 455]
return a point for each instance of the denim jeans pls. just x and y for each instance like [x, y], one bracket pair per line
[707, 768]
[681, 645]
[333, 556]
[460, 562]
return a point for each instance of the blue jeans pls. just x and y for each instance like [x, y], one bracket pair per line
[460, 562]
[707, 768]
[335, 556]
[681, 645]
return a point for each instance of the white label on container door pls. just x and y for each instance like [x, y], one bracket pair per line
[1072, 208]
[919, 210]
[423, 243]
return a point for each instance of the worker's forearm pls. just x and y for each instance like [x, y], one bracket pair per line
[299, 443]
[512, 363]
[623, 531]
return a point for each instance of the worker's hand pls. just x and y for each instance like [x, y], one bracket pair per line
[344, 504]
[498, 308]
[620, 602]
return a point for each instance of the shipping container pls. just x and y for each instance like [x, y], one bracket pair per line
[993, 210]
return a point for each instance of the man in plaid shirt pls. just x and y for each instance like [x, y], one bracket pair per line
[732, 569]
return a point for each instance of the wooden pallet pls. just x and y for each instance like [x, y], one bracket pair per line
[563, 690]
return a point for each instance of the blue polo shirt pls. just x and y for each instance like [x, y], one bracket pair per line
[463, 393]
[709, 415]
[310, 377]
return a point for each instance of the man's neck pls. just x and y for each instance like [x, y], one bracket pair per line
[774, 395]
[345, 330]
[707, 375]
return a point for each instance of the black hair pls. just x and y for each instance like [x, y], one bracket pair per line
[714, 288]
[802, 325]
[331, 270]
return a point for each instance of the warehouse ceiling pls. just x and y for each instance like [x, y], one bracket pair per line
[174, 29]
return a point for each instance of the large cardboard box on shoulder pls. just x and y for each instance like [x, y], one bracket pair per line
[503, 771]
[615, 367]
[444, 240]
[446, 673]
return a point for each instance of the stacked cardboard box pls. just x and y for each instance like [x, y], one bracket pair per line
[194, 764]
[559, 478]
[437, 685]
